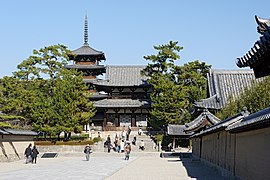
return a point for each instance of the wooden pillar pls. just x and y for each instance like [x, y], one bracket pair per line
[173, 144]
[133, 89]
[133, 121]
[116, 120]
[133, 117]
[105, 119]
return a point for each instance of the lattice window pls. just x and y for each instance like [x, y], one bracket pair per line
[141, 120]
[125, 120]
[111, 119]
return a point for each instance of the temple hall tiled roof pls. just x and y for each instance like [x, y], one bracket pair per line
[204, 119]
[177, 130]
[260, 119]
[7, 131]
[124, 76]
[258, 57]
[225, 84]
[121, 103]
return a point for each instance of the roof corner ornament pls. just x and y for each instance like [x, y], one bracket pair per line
[86, 30]
[263, 24]
[245, 112]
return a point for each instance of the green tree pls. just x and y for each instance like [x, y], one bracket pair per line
[47, 61]
[193, 76]
[175, 88]
[51, 96]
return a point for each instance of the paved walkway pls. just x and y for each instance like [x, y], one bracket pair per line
[143, 166]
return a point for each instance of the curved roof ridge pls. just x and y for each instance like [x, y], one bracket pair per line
[209, 103]
[199, 120]
[214, 119]
[207, 99]
[258, 119]
[86, 50]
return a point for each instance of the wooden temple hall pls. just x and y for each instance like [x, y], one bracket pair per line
[121, 96]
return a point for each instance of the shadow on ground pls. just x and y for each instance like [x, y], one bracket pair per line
[195, 169]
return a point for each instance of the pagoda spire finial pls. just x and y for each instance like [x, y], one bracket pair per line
[86, 30]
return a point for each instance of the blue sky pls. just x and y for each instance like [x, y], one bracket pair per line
[215, 32]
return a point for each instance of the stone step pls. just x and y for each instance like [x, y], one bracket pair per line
[148, 142]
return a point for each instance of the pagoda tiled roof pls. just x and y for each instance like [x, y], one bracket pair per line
[258, 57]
[86, 50]
[77, 66]
[225, 84]
[199, 122]
[121, 103]
[124, 76]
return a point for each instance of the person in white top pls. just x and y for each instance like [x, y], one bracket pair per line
[141, 147]
[140, 131]
[124, 133]
[122, 146]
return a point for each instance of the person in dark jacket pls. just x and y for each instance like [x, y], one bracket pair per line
[34, 154]
[109, 143]
[127, 151]
[134, 140]
[28, 153]
[87, 151]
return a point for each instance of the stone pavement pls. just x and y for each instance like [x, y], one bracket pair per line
[143, 166]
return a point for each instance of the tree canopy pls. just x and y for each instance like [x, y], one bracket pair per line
[175, 88]
[52, 97]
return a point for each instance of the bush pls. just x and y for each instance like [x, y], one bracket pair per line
[71, 143]
[159, 137]
[5, 125]
[97, 139]
[80, 137]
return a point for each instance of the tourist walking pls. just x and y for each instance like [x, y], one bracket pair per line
[87, 151]
[109, 143]
[34, 154]
[154, 144]
[140, 131]
[124, 134]
[122, 146]
[28, 153]
[170, 147]
[134, 140]
[128, 133]
[118, 149]
[141, 147]
[127, 151]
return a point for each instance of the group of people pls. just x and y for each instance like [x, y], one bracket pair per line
[31, 154]
[122, 143]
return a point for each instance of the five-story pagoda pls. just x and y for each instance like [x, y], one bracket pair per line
[86, 59]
